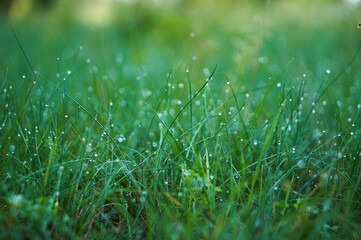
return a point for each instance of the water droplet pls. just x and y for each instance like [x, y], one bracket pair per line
[89, 148]
[121, 139]
[261, 59]
[12, 148]
[206, 72]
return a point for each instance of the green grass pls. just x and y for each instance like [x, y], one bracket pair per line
[190, 121]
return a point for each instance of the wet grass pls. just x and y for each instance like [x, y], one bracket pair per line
[193, 121]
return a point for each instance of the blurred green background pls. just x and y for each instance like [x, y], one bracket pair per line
[120, 41]
[249, 39]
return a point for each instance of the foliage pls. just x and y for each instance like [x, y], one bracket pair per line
[183, 121]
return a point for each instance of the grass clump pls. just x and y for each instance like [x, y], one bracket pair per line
[175, 125]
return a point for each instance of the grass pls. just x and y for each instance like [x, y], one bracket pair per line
[213, 121]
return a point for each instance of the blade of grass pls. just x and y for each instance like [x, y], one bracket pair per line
[266, 144]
